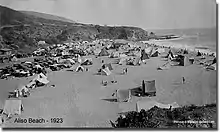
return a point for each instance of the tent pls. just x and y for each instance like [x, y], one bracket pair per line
[170, 57]
[199, 54]
[184, 61]
[22, 90]
[104, 52]
[71, 61]
[164, 67]
[164, 55]
[148, 87]
[148, 50]
[137, 53]
[31, 85]
[67, 61]
[135, 61]
[87, 62]
[38, 66]
[154, 53]
[114, 55]
[40, 79]
[144, 55]
[97, 51]
[122, 61]
[41, 75]
[1, 120]
[122, 55]
[79, 59]
[105, 71]
[214, 61]
[185, 51]
[14, 58]
[148, 104]
[12, 107]
[123, 95]
[109, 65]
[161, 50]
[79, 68]
[171, 54]
[211, 67]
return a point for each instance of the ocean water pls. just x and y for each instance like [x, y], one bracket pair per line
[199, 39]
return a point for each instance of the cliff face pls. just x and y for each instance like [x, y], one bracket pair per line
[103, 32]
[20, 31]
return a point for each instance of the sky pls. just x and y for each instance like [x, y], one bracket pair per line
[147, 14]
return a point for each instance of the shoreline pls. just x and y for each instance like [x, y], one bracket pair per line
[168, 43]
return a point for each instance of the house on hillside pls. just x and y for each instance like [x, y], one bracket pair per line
[5, 51]
[41, 42]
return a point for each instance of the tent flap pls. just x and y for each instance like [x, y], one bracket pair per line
[123, 95]
[12, 107]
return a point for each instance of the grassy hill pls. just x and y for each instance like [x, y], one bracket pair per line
[11, 17]
[46, 16]
[22, 30]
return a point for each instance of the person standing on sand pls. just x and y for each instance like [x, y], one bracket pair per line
[183, 80]
[2, 120]
[126, 70]
[16, 93]
[22, 107]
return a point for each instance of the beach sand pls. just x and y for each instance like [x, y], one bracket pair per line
[81, 100]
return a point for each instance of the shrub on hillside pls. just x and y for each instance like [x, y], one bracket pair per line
[166, 118]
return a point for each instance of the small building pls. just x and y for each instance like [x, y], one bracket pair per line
[41, 42]
[5, 51]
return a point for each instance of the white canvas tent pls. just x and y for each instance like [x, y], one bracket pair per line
[122, 55]
[212, 67]
[105, 71]
[148, 104]
[97, 51]
[41, 78]
[170, 57]
[154, 53]
[114, 55]
[71, 61]
[12, 107]
[14, 58]
[31, 85]
[79, 59]
[122, 61]
[148, 50]
[123, 95]
[149, 87]
[80, 68]
[161, 50]
[22, 89]
[137, 53]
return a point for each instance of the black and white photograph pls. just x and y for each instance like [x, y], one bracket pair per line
[109, 64]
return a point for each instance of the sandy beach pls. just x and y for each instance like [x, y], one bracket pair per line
[81, 100]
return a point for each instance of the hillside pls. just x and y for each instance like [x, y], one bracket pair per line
[22, 30]
[47, 16]
[11, 17]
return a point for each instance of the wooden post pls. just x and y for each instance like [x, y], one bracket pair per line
[143, 87]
